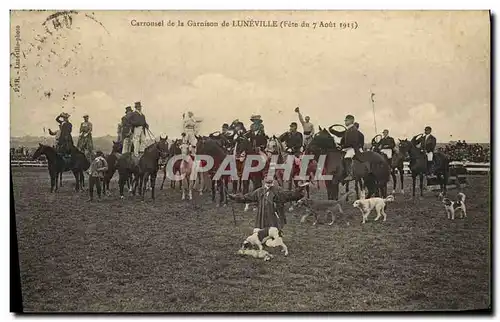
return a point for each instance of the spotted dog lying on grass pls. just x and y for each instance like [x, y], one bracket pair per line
[256, 253]
[271, 237]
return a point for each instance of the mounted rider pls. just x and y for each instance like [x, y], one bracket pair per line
[190, 128]
[293, 139]
[351, 143]
[64, 143]
[257, 134]
[361, 137]
[386, 145]
[85, 143]
[427, 144]
[125, 131]
[307, 127]
[237, 126]
[139, 125]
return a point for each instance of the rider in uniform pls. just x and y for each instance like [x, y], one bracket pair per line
[427, 144]
[350, 143]
[257, 134]
[293, 139]
[361, 137]
[65, 141]
[125, 131]
[386, 144]
[139, 125]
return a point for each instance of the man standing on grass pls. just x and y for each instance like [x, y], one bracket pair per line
[96, 172]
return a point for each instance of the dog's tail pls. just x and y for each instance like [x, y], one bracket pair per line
[390, 198]
[461, 197]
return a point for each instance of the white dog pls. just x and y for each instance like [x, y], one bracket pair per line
[256, 253]
[452, 206]
[271, 237]
[367, 205]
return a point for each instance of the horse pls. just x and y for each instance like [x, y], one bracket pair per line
[173, 150]
[368, 166]
[148, 165]
[396, 163]
[77, 164]
[274, 151]
[418, 165]
[186, 168]
[112, 161]
[209, 146]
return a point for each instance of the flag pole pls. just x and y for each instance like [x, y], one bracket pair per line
[373, 108]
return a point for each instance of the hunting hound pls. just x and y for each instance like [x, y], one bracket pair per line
[271, 237]
[314, 206]
[377, 203]
[453, 205]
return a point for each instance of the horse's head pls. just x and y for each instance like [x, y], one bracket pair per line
[186, 149]
[41, 150]
[273, 145]
[321, 142]
[117, 146]
[404, 146]
[243, 144]
[162, 146]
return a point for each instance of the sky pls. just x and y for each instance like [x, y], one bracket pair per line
[425, 68]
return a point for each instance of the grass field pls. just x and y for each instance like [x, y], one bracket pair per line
[175, 256]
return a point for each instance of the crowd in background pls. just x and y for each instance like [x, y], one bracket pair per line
[462, 151]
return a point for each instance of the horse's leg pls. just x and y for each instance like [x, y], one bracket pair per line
[394, 180]
[221, 191]
[356, 188]
[53, 182]
[413, 178]
[235, 186]
[421, 177]
[121, 184]
[60, 179]
[77, 180]
[401, 177]
[164, 177]
[213, 190]
[246, 188]
[152, 179]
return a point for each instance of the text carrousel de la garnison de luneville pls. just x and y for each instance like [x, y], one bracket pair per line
[248, 23]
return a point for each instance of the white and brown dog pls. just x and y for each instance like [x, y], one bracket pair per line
[271, 237]
[377, 203]
[453, 205]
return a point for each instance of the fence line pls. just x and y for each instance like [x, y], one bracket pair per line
[471, 167]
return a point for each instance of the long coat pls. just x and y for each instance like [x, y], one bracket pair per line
[428, 145]
[350, 138]
[293, 140]
[271, 205]
[65, 142]
[85, 142]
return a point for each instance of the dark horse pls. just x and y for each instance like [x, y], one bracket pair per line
[369, 166]
[112, 160]
[77, 164]
[418, 165]
[396, 163]
[148, 165]
[173, 150]
[245, 147]
[213, 148]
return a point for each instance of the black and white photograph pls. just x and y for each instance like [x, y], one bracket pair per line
[176, 161]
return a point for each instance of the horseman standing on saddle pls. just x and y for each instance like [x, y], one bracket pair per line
[293, 139]
[427, 144]
[85, 143]
[386, 145]
[125, 131]
[350, 143]
[139, 126]
[190, 128]
[307, 127]
[65, 141]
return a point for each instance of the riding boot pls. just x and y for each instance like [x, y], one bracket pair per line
[429, 168]
[348, 168]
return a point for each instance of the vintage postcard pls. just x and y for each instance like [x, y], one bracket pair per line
[251, 161]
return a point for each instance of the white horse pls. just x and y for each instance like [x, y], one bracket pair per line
[186, 169]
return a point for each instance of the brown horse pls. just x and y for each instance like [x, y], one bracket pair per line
[369, 166]
[396, 163]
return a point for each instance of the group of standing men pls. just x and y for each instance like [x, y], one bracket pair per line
[132, 130]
